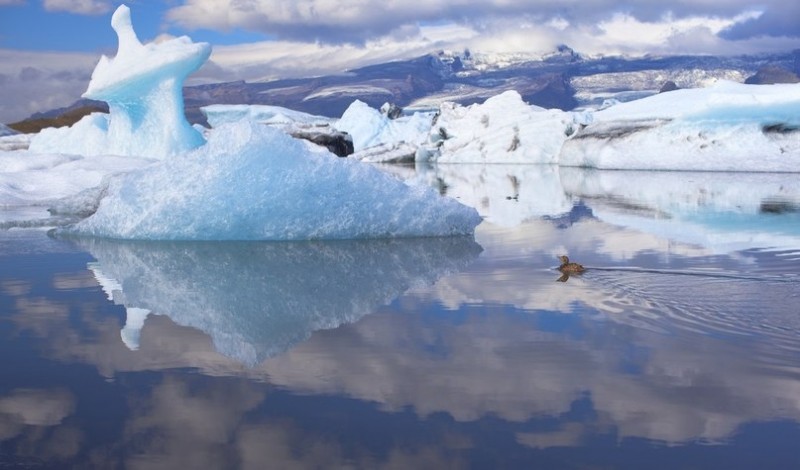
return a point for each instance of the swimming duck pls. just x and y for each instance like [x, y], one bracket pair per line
[568, 268]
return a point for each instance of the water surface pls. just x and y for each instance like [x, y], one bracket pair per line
[678, 348]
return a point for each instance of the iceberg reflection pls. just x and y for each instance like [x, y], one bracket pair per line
[257, 299]
[723, 212]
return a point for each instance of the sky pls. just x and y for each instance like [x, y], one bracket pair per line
[48, 48]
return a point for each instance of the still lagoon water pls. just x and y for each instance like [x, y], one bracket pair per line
[678, 348]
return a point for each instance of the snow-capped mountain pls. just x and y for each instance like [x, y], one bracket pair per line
[563, 79]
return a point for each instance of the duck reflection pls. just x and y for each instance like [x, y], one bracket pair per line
[257, 299]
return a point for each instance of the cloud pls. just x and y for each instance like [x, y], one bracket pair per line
[323, 37]
[290, 58]
[339, 21]
[80, 7]
[38, 407]
[776, 22]
[40, 81]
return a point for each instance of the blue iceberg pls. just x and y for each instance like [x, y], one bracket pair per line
[252, 182]
[143, 87]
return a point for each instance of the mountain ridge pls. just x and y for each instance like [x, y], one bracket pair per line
[563, 79]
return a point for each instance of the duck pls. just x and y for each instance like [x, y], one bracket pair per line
[567, 268]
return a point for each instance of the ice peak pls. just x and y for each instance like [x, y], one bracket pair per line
[143, 87]
[121, 22]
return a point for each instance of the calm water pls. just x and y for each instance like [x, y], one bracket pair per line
[679, 348]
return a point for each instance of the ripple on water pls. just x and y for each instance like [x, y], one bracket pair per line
[759, 305]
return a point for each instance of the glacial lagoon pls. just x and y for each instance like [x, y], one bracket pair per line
[678, 348]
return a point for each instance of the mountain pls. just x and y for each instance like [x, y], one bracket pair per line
[563, 79]
[773, 74]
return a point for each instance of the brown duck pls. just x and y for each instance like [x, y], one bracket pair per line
[567, 269]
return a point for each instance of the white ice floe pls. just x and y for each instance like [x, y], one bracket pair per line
[726, 127]
[31, 179]
[370, 128]
[219, 114]
[13, 140]
[504, 129]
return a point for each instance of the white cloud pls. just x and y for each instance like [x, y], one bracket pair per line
[80, 7]
[39, 81]
[357, 21]
[274, 59]
[620, 34]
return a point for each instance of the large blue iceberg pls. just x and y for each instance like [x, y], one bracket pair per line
[252, 182]
[247, 182]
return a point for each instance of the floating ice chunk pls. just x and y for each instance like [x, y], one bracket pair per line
[219, 114]
[89, 136]
[504, 129]
[143, 86]
[15, 142]
[27, 178]
[252, 182]
[727, 127]
[723, 102]
[369, 127]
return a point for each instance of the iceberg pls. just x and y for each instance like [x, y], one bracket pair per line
[726, 127]
[397, 139]
[219, 114]
[51, 180]
[317, 130]
[252, 182]
[504, 129]
[143, 86]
